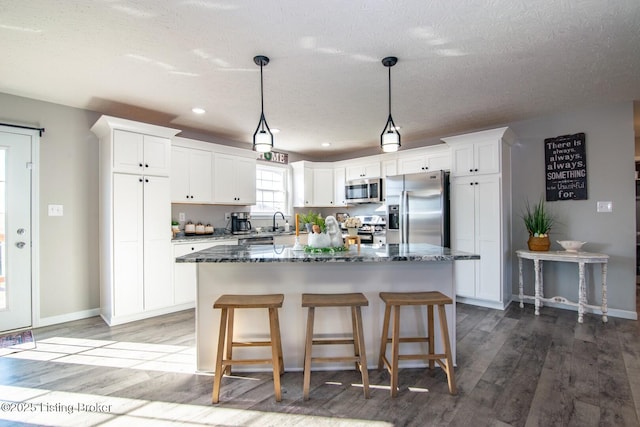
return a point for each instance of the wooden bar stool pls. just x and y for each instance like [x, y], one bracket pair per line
[228, 303]
[397, 299]
[355, 301]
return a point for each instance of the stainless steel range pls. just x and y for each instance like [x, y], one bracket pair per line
[373, 229]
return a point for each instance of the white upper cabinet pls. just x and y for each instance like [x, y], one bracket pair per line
[389, 167]
[363, 170]
[313, 184]
[478, 153]
[191, 175]
[141, 154]
[424, 160]
[339, 180]
[234, 180]
[323, 189]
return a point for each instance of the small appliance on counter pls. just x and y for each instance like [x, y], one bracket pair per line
[240, 223]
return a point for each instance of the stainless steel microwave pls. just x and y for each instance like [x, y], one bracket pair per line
[364, 191]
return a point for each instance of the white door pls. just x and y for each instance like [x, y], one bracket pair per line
[15, 228]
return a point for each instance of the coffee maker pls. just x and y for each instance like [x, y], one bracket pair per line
[240, 223]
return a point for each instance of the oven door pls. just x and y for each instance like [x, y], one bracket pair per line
[366, 237]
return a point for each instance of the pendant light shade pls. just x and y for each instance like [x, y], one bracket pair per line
[262, 138]
[390, 137]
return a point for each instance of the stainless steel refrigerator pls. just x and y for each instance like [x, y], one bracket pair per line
[418, 208]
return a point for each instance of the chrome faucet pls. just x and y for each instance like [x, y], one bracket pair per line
[275, 228]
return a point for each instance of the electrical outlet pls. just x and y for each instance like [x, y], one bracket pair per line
[55, 210]
[182, 217]
[604, 207]
[227, 216]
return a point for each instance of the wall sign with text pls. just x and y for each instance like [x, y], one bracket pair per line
[274, 157]
[566, 167]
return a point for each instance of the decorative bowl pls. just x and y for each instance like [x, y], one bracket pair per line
[571, 245]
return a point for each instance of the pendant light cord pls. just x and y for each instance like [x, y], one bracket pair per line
[261, 99]
[389, 91]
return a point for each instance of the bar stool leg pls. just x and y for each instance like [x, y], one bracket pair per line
[430, 333]
[358, 333]
[230, 314]
[356, 344]
[307, 353]
[278, 339]
[220, 354]
[395, 349]
[385, 336]
[447, 349]
[273, 322]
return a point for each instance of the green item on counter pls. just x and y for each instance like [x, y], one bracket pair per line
[330, 250]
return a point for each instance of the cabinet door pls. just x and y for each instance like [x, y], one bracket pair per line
[158, 289]
[371, 170]
[413, 164]
[488, 236]
[323, 187]
[245, 180]
[463, 218]
[128, 242]
[224, 175]
[439, 161]
[462, 161]
[363, 170]
[156, 155]
[180, 172]
[127, 152]
[487, 157]
[339, 179]
[185, 274]
[389, 168]
[235, 180]
[200, 176]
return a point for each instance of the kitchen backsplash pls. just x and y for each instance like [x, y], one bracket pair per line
[214, 214]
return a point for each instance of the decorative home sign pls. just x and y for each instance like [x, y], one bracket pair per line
[274, 157]
[566, 167]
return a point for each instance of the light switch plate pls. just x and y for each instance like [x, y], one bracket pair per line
[604, 207]
[181, 217]
[55, 210]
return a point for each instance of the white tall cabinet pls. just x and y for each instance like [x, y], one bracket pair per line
[135, 216]
[480, 186]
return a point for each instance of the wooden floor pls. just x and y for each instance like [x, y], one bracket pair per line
[513, 369]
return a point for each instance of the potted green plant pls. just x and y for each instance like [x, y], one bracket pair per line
[538, 222]
[310, 219]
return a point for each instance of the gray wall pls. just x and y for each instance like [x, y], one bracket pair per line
[610, 148]
[69, 259]
[68, 176]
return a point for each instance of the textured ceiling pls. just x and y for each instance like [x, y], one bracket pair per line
[463, 65]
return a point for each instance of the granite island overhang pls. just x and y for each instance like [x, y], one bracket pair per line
[263, 269]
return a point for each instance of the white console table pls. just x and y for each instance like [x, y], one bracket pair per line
[580, 258]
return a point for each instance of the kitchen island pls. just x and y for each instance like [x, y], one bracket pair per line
[262, 269]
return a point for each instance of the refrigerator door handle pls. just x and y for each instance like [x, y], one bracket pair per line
[404, 217]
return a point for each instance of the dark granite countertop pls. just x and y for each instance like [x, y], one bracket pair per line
[192, 238]
[367, 253]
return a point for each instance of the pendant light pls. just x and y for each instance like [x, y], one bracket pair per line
[390, 137]
[262, 138]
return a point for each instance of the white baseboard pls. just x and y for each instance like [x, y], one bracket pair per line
[68, 317]
[482, 303]
[119, 320]
[611, 312]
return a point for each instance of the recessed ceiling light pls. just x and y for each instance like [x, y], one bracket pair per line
[326, 144]
[198, 110]
[274, 130]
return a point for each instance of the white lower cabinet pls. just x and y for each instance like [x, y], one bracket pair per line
[185, 274]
